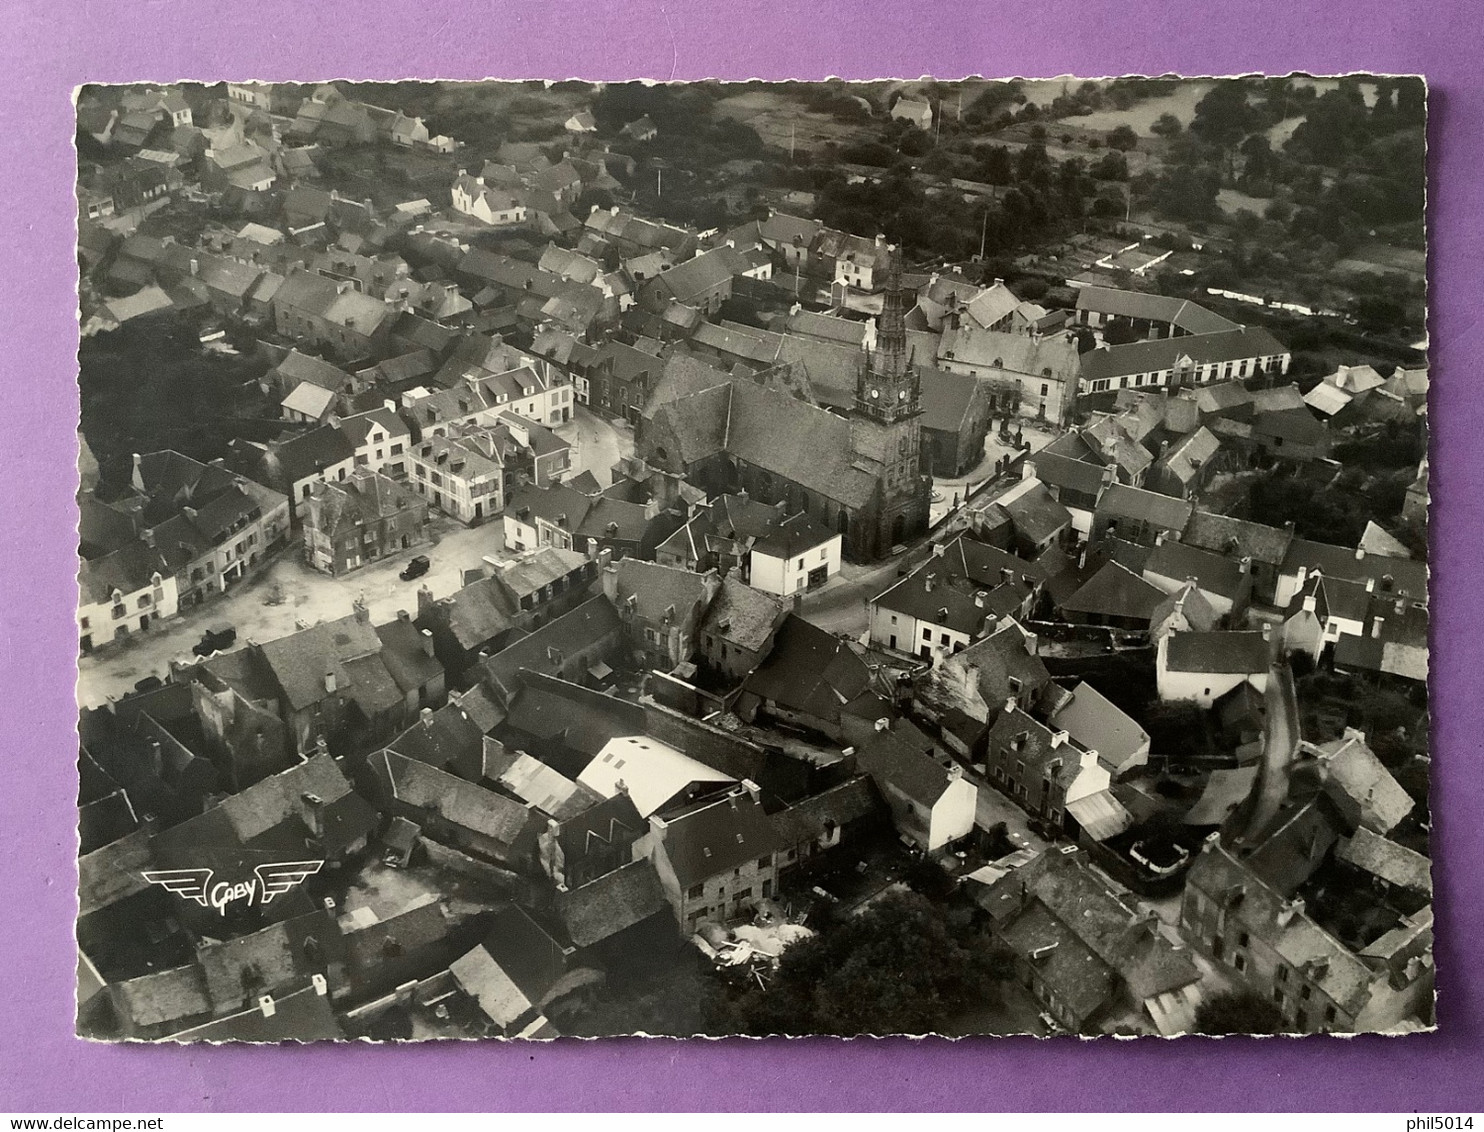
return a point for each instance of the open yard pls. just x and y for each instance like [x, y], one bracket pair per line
[778, 117]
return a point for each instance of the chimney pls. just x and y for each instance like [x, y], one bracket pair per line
[1159, 539]
[928, 582]
[751, 787]
[156, 758]
[1058, 738]
[1289, 910]
[979, 599]
[1267, 632]
[1359, 553]
[149, 537]
[1311, 602]
[610, 583]
[314, 814]
[1401, 606]
[1370, 585]
[1376, 627]
[266, 1006]
[1011, 703]
[427, 639]
[195, 267]
[1246, 564]
[329, 683]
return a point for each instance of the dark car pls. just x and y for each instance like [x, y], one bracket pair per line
[416, 568]
[215, 639]
[148, 684]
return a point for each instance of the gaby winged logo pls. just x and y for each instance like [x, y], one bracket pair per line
[267, 882]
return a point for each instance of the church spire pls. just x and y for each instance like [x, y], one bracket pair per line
[891, 335]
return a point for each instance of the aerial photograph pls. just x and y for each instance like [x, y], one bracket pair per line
[572, 559]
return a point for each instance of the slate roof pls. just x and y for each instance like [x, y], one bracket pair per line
[901, 757]
[797, 534]
[1181, 313]
[838, 806]
[570, 634]
[813, 671]
[1225, 651]
[1115, 591]
[1123, 502]
[162, 997]
[718, 835]
[1361, 786]
[1215, 573]
[1393, 863]
[1394, 577]
[1096, 723]
[1036, 514]
[463, 804]
[1332, 598]
[1165, 353]
[742, 615]
[604, 907]
[300, 661]
[1052, 356]
[1057, 470]
[1222, 534]
[446, 739]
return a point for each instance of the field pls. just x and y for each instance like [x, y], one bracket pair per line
[777, 117]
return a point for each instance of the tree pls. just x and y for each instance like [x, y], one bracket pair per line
[1239, 1012]
[1123, 137]
[1112, 166]
[1119, 332]
[897, 968]
[1223, 116]
[1166, 126]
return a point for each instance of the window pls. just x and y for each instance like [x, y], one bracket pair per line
[1243, 939]
[1240, 962]
[1282, 973]
[120, 610]
[944, 639]
[144, 601]
[765, 862]
[695, 892]
[1330, 1015]
[1306, 993]
[927, 634]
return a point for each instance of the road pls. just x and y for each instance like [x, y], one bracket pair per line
[601, 443]
[308, 596]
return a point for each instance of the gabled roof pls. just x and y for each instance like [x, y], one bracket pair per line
[1393, 863]
[1123, 502]
[901, 758]
[813, 671]
[446, 739]
[1115, 591]
[1361, 786]
[1241, 537]
[815, 816]
[1180, 313]
[1051, 357]
[1223, 651]
[615, 901]
[503, 820]
[1036, 514]
[1394, 577]
[1094, 722]
[549, 646]
[1057, 470]
[652, 773]
[718, 835]
[1169, 353]
[744, 616]
[1214, 573]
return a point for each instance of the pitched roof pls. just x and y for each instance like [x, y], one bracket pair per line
[463, 804]
[1393, 863]
[1115, 591]
[1214, 573]
[604, 907]
[652, 773]
[1052, 356]
[718, 835]
[570, 634]
[1225, 651]
[1393, 576]
[901, 757]
[1224, 535]
[813, 817]
[1168, 353]
[814, 671]
[1123, 502]
[1036, 514]
[1096, 723]
[1181, 313]
[1361, 785]
[744, 616]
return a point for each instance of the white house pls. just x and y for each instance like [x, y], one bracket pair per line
[122, 593]
[1203, 667]
[932, 804]
[798, 554]
[497, 206]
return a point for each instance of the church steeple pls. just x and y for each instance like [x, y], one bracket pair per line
[887, 383]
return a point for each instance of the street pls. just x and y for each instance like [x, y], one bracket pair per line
[601, 443]
[309, 596]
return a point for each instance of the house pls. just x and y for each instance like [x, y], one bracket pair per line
[577, 645]
[1225, 584]
[1196, 359]
[662, 608]
[1074, 483]
[966, 692]
[932, 805]
[1043, 368]
[1095, 723]
[1357, 782]
[1268, 941]
[655, 775]
[720, 535]
[454, 812]
[715, 858]
[1203, 667]
[1085, 953]
[358, 520]
[1182, 611]
[739, 628]
[1385, 576]
[1037, 521]
[1266, 546]
[916, 111]
[820, 822]
[640, 130]
[1185, 468]
[952, 600]
[814, 680]
[614, 906]
[956, 411]
[309, 307]
[499, 206]
[1392, 644]
[380, 438]
[1138, 516]
[1114, 596]
[581, 123]
[797, 554]
[123, 591]
[462, 474]
[294, 466]
[1321, 612]
[1042, 769]
[703, 282]
[1291, 434]
[853, 262]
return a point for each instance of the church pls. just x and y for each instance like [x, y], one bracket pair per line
[860, 472]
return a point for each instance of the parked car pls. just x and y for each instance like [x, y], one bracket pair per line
[148, 684]
[215, 639]
[416, 568]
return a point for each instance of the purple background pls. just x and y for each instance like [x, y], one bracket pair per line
[52, 45]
